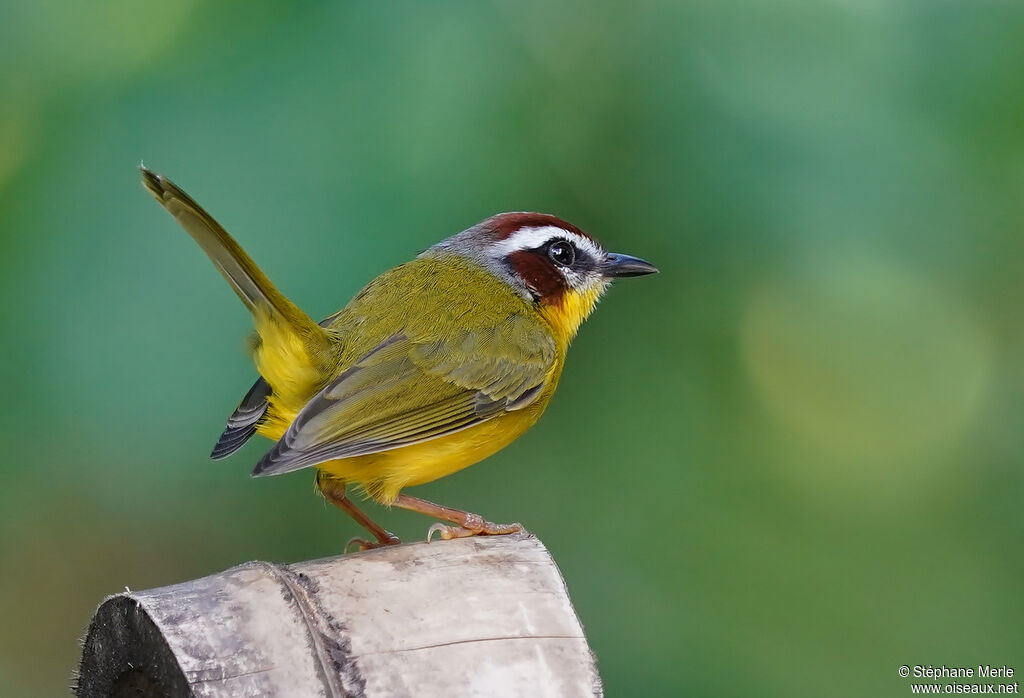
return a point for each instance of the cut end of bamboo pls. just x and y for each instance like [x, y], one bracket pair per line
[483, 616]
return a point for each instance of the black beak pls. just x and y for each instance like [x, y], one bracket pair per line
[619, 265]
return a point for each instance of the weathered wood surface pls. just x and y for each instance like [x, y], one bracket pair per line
[486, 616]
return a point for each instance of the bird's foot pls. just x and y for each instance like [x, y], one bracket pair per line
[460, 524]
[474, 525]
[362, 544]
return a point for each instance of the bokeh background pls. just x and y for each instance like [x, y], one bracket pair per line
[785, 466]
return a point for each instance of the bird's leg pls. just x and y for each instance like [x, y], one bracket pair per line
[466, 524]
[333, 490]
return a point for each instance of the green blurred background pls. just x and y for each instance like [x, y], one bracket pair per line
[785, 466]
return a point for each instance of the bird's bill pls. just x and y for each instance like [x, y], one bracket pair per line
[620, 265]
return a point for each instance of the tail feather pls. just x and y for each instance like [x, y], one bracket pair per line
[291, 349]
[248, 281]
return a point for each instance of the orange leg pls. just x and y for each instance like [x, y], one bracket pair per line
[333, 490]
[466, 524]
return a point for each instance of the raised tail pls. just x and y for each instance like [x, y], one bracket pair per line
[249, 282]
[290, 343]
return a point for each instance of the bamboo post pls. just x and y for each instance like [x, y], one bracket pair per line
[484, 616]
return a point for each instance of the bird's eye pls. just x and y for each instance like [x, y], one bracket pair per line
[562, 253]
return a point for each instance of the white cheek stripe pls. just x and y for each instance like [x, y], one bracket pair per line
[531, 238]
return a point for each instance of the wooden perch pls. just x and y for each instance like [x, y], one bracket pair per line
[485, 616]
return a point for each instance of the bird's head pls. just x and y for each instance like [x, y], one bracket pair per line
[549, 262]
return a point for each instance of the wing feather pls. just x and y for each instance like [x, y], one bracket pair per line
[405, 392]
[242, 422]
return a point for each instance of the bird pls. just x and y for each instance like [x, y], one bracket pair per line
[430, 368]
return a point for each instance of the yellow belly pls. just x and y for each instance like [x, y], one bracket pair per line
[383, 475]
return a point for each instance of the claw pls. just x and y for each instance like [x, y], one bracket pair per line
[443, 530]
[488, 529]
[360, 543]
[476, 528]
[363, 544]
